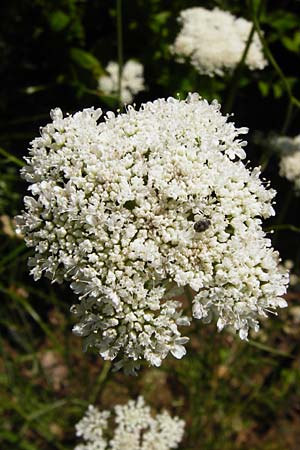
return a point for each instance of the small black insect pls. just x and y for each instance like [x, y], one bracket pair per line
[202, 225]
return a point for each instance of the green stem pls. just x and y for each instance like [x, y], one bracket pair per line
[265, 159]
[100, 381]
[12, 256]
[188, 294]
[45, 410]
[273, 62]
[288, 117]
[284, 208]
[268, 349]
[35, 316]
[120, 48]
[283, 227]
[11, 157]
[236, 75]
[282, 214]
[234, 85]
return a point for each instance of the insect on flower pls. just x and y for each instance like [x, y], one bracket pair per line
[202, 225]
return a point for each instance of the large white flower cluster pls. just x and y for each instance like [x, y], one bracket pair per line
[132, 208]
[214, 41]
[289, 165]
[134, 429]
[132, 80]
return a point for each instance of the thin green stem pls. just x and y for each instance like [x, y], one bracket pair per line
[288, 117]
[35, 316]
[100, 381]
[273, 62]
[234, 85]
[282, 214]
[268, 349]
[237, 73]
[284, 208]
[283, 227]
[45, 410]
[12, 256]
[11, 157]
[265, 159]
[120, 48]
[188, 294]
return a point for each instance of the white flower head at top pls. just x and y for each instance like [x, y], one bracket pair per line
[214, 41]
[289, 165]
[131, 427]
[132, 80]
[133, 208]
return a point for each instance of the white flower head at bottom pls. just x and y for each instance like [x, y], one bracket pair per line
[131, 427]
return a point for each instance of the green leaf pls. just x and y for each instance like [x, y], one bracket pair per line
[159, 21]
[292, 44]
[86, 60]
[283, 21]
[277, 90]
[58, 20]
[8, 436]
[289, 44]
[264, 88]
[297, 38]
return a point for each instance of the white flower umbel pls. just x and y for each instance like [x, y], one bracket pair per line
[132, 80]
[131, 426]
[214, 41]
[289, 165]
[131, 209]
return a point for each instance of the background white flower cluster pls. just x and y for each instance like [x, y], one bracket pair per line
[214, 41]
[294, 278]
[130, 208]
[289, 165]
[135, 429]
[132, 80]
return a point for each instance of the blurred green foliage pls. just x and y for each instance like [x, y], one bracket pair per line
[233, 395]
